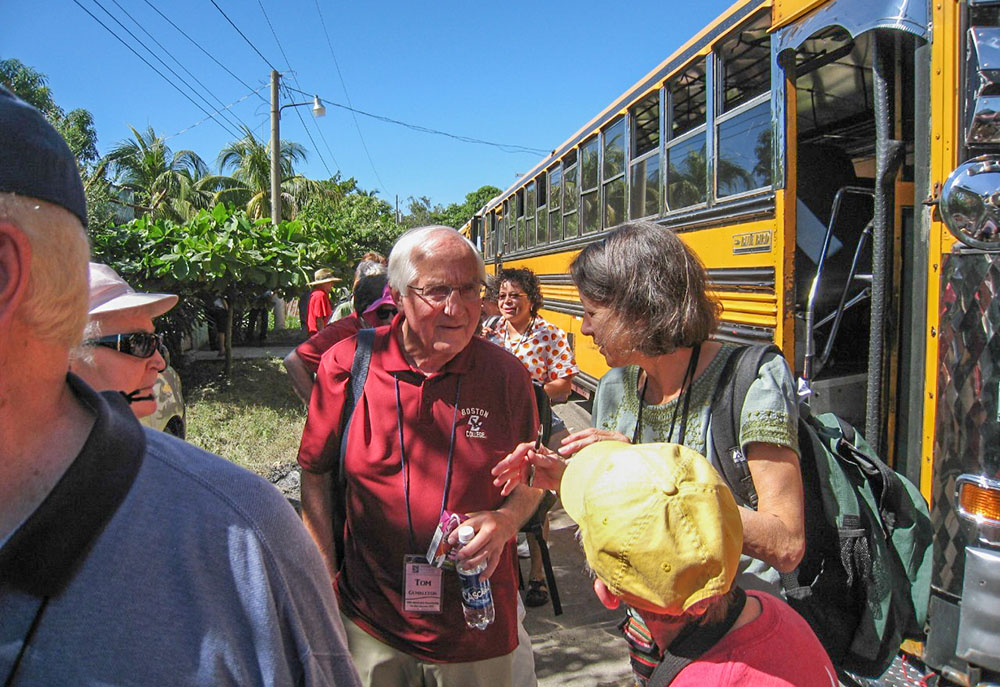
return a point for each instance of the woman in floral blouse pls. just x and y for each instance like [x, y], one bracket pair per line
[544, 349]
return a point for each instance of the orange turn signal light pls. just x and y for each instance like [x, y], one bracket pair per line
[979, 499]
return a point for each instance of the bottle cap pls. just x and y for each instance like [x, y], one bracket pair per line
[465, 534]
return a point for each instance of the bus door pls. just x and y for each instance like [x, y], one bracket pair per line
[853, 147]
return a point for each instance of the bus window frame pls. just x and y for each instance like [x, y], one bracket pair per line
[541, 209]
[623, 174]
[571, 206]
[594, 190]
[656, 151]
[717, 85]
[530, 203]
[556, 222]
[756, 101]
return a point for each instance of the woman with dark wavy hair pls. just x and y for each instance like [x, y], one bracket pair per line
[648, 309]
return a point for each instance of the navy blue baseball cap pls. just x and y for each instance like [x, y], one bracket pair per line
[35, 160]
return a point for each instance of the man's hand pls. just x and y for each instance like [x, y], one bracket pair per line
[516, 468]
[494, 529]
[585, 437]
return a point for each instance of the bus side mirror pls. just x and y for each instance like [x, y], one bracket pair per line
[970, 202]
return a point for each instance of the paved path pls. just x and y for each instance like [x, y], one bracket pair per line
[582, 647]
[242, 352]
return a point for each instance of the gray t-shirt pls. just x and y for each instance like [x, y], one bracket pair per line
[769, 415]
[203, 575]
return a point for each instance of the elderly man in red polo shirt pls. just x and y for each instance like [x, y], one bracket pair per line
[439, 409]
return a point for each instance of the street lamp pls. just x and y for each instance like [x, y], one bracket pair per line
[318, 111]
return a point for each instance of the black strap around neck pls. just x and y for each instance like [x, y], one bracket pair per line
[693, 642]
[686, 384]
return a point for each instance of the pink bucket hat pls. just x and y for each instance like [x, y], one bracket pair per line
[110, 293]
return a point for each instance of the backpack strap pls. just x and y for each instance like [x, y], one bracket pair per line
[693, 642]
[739, 373]
[359, 374]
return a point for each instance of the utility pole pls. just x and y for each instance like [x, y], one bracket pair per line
[275, 152]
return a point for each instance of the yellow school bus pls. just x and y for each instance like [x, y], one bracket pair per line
[834, 164]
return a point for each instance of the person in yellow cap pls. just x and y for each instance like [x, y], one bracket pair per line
[663, 535]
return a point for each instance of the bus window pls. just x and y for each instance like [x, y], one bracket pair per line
[555, 203]
[744, 124]
[508, 228]
[645, 182]
[541, 216]
[519, 204]
[590, 216]
[613, 173]
[529, 215]
[687, 173]
[570, 203]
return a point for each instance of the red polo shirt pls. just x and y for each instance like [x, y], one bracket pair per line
[319, 309]
[312, 349]
[496, 410]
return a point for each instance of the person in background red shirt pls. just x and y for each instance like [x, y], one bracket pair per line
[319, 300]
[373, 299]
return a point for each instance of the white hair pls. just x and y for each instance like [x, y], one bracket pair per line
[368, 268]
[420, 243]
[55, 303]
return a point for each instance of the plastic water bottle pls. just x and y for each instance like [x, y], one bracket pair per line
[477, 599]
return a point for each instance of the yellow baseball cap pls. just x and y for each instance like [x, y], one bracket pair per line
[657, 522]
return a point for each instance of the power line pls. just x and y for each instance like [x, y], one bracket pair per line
[179, 64]
[506, 147]
[299, 114]
[146, 62]
[266, 61]
[347, 95]
[160, 60]
[203, 120]
[210, 55]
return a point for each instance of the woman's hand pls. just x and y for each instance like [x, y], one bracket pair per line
[585, 437]
[516, 468]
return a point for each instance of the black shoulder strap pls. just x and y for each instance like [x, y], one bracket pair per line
[739, 373]
[693, 642]
[359, 374]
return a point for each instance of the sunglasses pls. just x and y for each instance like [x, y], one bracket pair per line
[137, 344]
[386, 312]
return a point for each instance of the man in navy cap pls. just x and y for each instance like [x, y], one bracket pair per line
[126, 556]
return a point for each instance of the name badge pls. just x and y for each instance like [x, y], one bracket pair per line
[421, 586]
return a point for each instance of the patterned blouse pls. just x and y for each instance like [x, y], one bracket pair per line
[543, 348]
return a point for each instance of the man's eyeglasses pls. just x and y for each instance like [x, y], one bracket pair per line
[439, 293]
[137, 344]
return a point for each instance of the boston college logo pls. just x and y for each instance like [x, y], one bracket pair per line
[476, 417]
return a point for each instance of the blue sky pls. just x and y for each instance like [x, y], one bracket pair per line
[528, 74]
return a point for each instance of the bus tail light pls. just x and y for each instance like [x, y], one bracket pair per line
[978, 500]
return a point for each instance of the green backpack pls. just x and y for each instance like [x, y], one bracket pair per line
[864, 582]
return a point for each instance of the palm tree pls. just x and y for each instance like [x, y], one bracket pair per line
[156, 181]
[249, 158]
